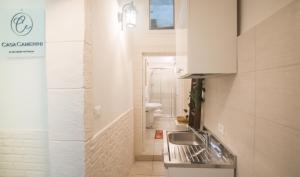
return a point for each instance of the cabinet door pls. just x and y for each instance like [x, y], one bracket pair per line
[181, 36]
[212, 36]
[200, 172]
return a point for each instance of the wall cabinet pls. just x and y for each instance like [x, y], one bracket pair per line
[206, 37]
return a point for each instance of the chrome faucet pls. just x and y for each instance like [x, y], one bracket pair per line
[206, 137]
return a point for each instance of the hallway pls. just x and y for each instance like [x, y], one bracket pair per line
[149, 88]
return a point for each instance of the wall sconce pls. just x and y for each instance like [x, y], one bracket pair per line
[127, 17]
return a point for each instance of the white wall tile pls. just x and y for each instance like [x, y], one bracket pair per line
[65, 65]
[66, 114]
[278, 38]
[238, 92]
[255, 11]
[277, 150]
[239, 136]
[65, 35]
[259, 107]
[212, 116]
[65, 20]
[246, 52]
[24, 153]
[278, 95]
[88, 21]
[67, 159]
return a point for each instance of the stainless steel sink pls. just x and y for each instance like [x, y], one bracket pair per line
[197, 150]
[184, 138]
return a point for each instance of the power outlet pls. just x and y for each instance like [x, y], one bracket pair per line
[221, 128]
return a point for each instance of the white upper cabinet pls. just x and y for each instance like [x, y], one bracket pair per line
[206, 37]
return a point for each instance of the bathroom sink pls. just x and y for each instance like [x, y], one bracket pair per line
[152, 106]
[184, 138]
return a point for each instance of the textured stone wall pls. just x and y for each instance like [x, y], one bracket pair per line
[23, 153]
[109, 153]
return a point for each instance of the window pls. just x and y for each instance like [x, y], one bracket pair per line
[161, 14]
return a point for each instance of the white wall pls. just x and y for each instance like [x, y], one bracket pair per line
[23, 103]
[112, 71]
[150, 40]
[87, 66]
[109, 144]
[259, 106]
[255, 11]
[65, 37]
[23, 81]
[145, 41]
[23, 110]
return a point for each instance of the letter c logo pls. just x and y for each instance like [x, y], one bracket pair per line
[21, 24]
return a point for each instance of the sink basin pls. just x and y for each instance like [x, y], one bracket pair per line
[152, 106]
[184, 138]
[196, 149]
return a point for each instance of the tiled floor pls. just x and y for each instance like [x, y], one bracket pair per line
[147, 169]
[164, 123]
[154, 146]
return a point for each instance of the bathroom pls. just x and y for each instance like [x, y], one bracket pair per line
[164, 99]
[76, 105]
[159, 89]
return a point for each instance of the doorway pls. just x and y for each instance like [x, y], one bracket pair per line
[160, 97]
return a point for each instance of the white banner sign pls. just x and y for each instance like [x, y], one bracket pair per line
[22, 33]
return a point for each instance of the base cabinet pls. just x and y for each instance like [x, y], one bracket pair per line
[199, 172]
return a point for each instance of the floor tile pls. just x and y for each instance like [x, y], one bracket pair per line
[158, 168]
[158, 147]
[154, 146]
[148, 148]
[142, 168]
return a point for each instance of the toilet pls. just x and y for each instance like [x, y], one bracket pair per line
[150, 109]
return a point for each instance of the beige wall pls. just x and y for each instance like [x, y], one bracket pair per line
[108, 84]
[255, 11]
[112, 71]
[145, 41]
[259, 107]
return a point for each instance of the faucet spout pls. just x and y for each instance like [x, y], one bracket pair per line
[206, 137]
